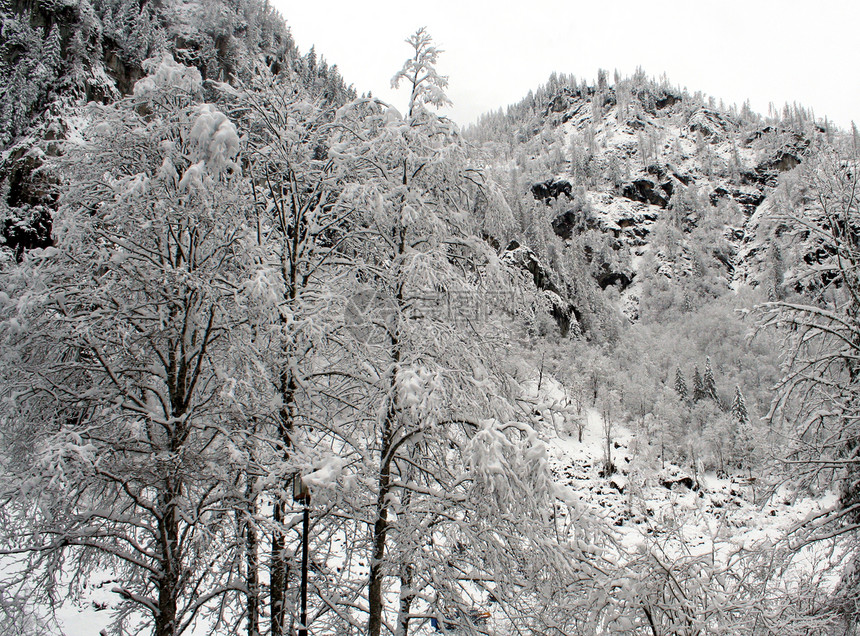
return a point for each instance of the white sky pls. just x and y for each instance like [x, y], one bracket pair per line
[762, 50]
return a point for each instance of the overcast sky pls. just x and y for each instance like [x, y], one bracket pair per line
[495, 52]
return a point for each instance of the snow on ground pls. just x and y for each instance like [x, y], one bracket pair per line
[642, 502]
[688, 514]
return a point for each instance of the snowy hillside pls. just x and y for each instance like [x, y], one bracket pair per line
[647, 511]
[281, 360]
[617, 159]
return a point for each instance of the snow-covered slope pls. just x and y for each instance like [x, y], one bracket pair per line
[647, 507]
[620, 159]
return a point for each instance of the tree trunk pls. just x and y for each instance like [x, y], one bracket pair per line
[407, 576]
[380, 527]
[252, 563]
[279, 573]
[168, 499]
[168, 582]
[389, 427]
[407, 596]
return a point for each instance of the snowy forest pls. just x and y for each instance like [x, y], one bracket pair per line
[277, 358]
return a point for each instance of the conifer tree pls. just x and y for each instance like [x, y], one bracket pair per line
[744, 434]
[698, 386]
[739, 407]
[680, 384]
[709, 384]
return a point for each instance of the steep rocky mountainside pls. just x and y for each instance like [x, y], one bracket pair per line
[258, 295]
[639, 178]
[58, 54]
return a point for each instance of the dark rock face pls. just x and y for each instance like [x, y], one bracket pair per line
[564, 224]
[571, 222]
[636, 229]
[684, 481]
[654, 99]
[526, 259]
[25, 188]
[657, 170]
[607, 278]
[29, 198]
[565, 314]
[783, 161]
[559, 104]
[666, 100]
[766, 174]
[123, 72]
[788, 157]
[748, 200]
[28, 230]
[636, 123]
[759, 177]
[735, 234]
[683, 178]
[551, 189]
[572, 112]
[647, 191]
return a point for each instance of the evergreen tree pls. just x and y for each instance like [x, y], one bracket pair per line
[680, 384]
[739, 407]
[744, 434]
[698, 386]
[709, 384]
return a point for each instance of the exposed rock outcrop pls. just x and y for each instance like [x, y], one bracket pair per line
[551, 189]
[525, 258]
[607, 276]
[711, 124]
[647, 191]
[746, 197]
[568, 223]
[562, 311]
[57, 55]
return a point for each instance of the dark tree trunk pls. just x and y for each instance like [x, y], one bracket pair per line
[168, 581]
[278, 571]
[407, 596]
[380, 527]
[252, 563]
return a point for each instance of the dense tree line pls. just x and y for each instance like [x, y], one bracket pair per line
[266, 300]
[180, 357]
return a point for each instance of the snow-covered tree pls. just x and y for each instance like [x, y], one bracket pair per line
[739, 407]
[818, 392]
[816, 401]
[680, 384]
[116, 444]
[698, 386]
[296, 254]
[442, 416]
[709, 384]
[427, 86]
